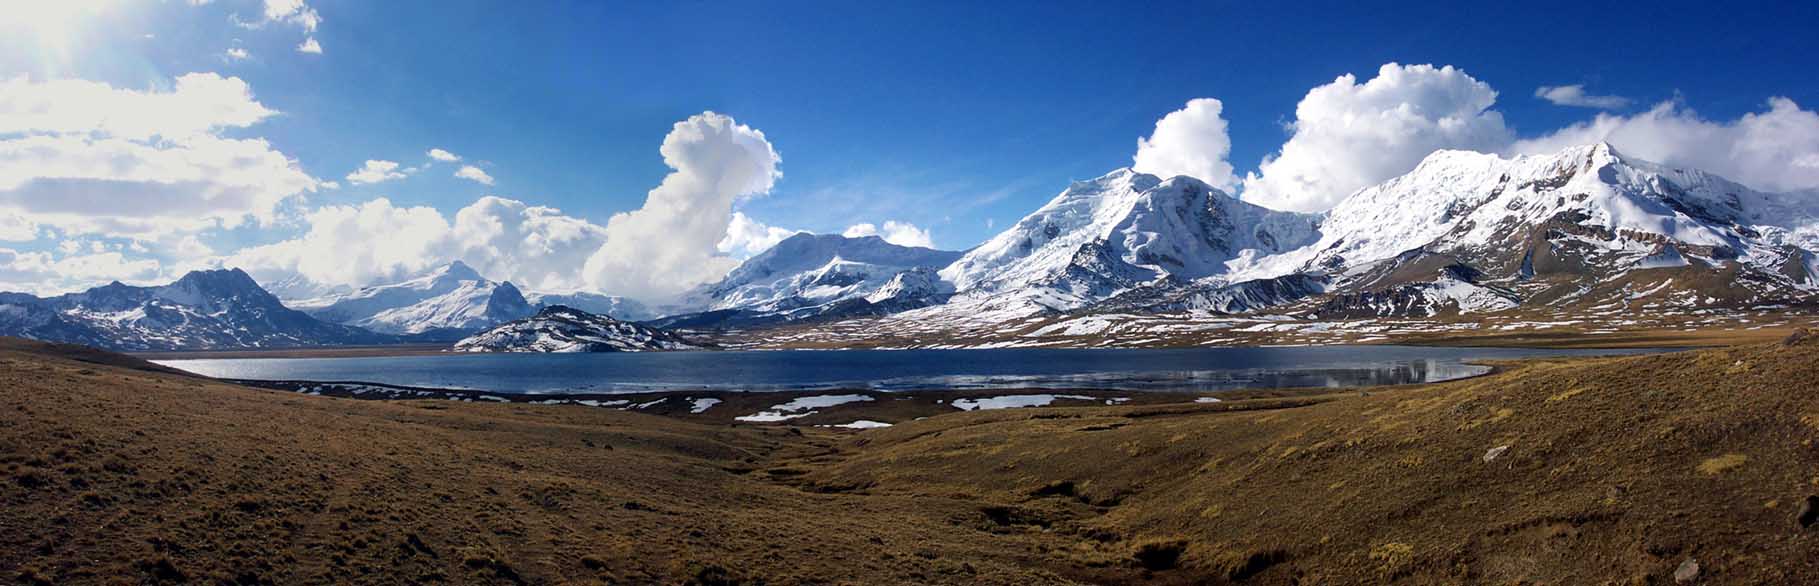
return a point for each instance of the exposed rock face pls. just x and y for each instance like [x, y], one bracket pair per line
[565, 329]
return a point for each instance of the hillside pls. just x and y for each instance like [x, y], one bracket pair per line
[209, 309]
[559, 328]
[1615, 471]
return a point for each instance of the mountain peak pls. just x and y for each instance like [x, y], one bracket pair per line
[220, 280]
[460, 270]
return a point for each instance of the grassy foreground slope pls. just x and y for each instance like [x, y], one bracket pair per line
[1616, 471]
[1558, 472]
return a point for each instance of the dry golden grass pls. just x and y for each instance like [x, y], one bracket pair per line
[1617, 471]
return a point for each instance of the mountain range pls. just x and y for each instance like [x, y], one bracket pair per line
[1462, 233]
[203, 310]
[1586, 229]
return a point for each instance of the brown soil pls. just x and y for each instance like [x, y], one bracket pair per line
[1617, 471]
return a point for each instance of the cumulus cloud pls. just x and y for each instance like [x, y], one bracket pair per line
[375, 171]
[1191, 141]
[236, 54]
[1348, 135]
[353, 245]
[443, 156]
[356, 245]
[671, 244]
[474, 174]
[44, 274]
[293, 12]
[1773, 150]
[535, 246]
[309, 45]
[86, 157]
[894, 232]
[746, 236]
[1574, 95]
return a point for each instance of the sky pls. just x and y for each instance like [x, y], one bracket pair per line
[641, 148]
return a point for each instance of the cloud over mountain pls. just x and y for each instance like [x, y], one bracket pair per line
[1347, 135]
[672, 243]
[1191, 141]
[894, 232]
[1776, 149]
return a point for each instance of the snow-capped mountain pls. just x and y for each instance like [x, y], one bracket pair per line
[1463, 232]
[1583, 232]
[565, 329]
[1126, 230]
[451, 301]
[820, 276]
[203, 310]
[452, 298]
[1470, 232]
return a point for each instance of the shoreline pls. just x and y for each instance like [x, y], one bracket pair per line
[881, 406]
[1562, 341]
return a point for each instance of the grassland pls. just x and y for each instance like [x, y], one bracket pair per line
[1585, 471]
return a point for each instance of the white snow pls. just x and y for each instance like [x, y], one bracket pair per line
[863, 424]
[1012, 401]
[801, 407]
[702, 405]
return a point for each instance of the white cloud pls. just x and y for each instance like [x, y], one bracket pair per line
[292, 12]
[533, 246]
[894, 232]
[1348, 135]
[42, 273]
[198, 104]
[1191, 141]
[671, 244]
[86, 158]
[474, 174]
[746, 236]
[1574, 95]
[15, 227]
[443, 156]
[1773, 150]
[353, 245]
[236, 54]
[375, 171]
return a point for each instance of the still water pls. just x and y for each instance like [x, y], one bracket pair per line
[1186, 369]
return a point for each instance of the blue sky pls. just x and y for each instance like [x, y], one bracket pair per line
[949, 116]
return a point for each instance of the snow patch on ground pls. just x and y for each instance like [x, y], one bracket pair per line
[801, 407]
[702, 405]
[862, 424]
[1012, 401]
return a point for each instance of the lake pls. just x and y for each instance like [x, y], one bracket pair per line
[1184, 369]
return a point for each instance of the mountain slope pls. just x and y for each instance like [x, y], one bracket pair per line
[1585, 227]
[820, 276]
[564, 329]
[1122, 231]
[450, 298]
[202, 310]
[1585, 235]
